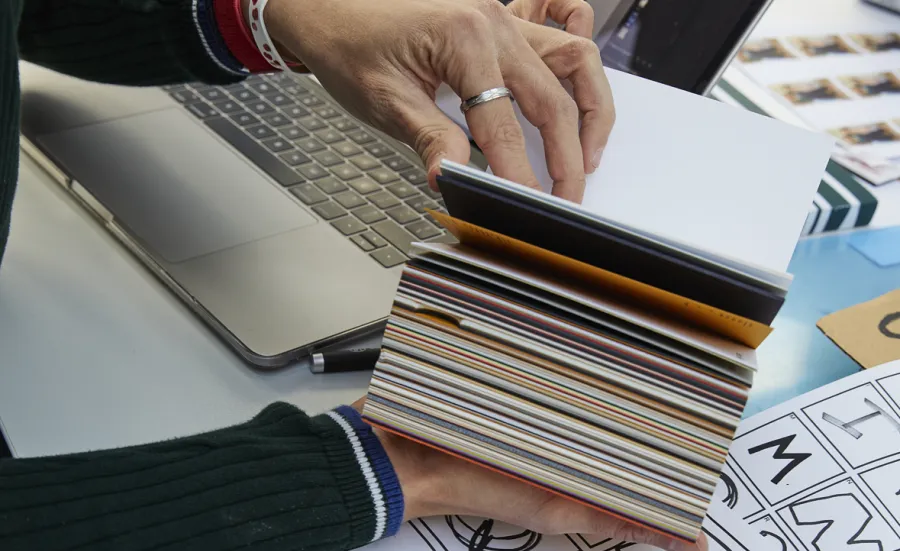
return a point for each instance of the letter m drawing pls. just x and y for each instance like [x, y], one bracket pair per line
[781, 446]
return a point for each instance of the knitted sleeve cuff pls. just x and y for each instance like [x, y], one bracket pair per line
[375, 465]
[212, 38]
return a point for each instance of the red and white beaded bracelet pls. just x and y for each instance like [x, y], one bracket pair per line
[265, 44]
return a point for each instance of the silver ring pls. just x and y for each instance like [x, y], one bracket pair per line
[484, 97]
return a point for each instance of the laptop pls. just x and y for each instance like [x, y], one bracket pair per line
[273, 214]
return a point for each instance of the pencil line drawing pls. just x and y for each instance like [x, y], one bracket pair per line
[716, 539]
[849, 427]
[731, 499]
[416, 526]
[850, 514]
[767, 534]
[480, 538]
[883, 326]
[781, 446]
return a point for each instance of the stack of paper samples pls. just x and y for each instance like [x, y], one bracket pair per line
[580, 354]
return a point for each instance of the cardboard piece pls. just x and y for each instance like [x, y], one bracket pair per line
[868, 332]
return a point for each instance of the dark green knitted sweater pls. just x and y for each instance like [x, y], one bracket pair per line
[283, 481]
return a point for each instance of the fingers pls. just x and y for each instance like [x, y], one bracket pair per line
[576, 15]
[473, 68]
[552, 111]
[578, 61]
[434, 136]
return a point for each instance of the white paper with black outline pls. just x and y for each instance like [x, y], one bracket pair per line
[821, 472]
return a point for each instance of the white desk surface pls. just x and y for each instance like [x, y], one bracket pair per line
[96, 353]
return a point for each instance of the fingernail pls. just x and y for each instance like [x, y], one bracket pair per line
[595, 160]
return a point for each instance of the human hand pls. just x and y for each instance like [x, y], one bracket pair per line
[576, 15]
[384, 61]
[435, 483]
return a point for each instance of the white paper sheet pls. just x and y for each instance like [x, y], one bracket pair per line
[458, 534]
[820, 472]
[697, 171]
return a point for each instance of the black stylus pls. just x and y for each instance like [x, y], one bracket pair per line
[345, 360]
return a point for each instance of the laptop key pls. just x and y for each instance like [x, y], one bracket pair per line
[388, 257]
[313, 124]
[346, 149]
[184, 96]
[277, 144]
[403, 214]
[202, 110]
[396, 164]
[361, 242]
[382, 175]
[344, 125]
[295, 112]
[244, 95]
[280, 99]
[244, 118]
[402, 190]
[361, 137]
[329, 136]
[348, 225]
[364, 186]
[364, 162]
[329, 210]
[376, 240]
[309, 194]
[276, 120]
[293, 132]
[415, 177]
[423, 230]
[349, 200]
[369, 214]
[327, 158]
[256, 153]
[383, 200]
[394, 234]
[260, 107]
[327, 112]
[295, 90]
[345, 172]
[379, 150]
[213, 94]
[277, 78]
[331, 185]
[261, 132]
[426, 189]
[261, 86]
[294, 158]
[311, 101]
[310, 145]
[420, 204]
[228, 106]
[312, 172]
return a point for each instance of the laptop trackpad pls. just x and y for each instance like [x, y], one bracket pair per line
[181, 191]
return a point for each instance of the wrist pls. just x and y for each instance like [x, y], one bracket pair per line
[415, 469]
[273, 14]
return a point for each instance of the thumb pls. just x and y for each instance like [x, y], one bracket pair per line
[435, 137]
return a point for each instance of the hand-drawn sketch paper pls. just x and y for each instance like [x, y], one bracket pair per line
[820, 472]
[454, 533]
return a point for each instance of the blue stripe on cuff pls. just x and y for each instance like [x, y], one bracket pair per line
[210, 29]
[381, 464]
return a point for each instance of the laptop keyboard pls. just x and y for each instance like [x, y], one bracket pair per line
[349, 176]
